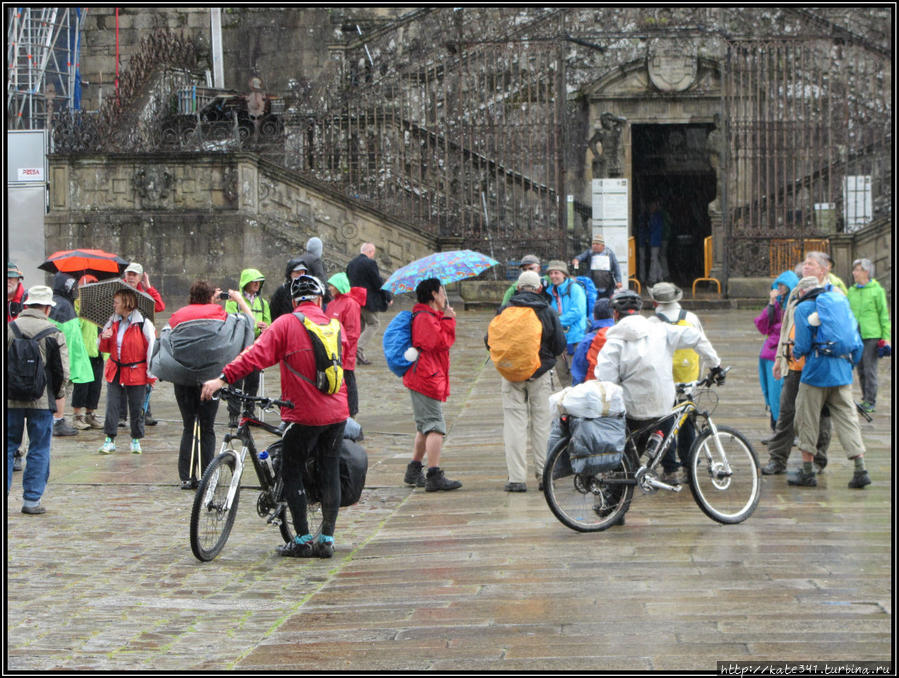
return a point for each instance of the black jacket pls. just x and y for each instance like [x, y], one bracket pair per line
[280, 302]
[552, 343]
[363, 272]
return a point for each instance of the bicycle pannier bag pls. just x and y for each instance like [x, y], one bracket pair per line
[685, 365]
[26, 373]
[327, 351]
[514, 339]
[597, 445]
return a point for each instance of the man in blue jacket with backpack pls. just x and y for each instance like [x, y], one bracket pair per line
[827, 335]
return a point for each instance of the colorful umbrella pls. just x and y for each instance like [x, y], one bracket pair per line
[82, 262]
[96, 301]
[446, 266]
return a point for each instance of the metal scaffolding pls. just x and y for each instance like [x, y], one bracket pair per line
[42, 50]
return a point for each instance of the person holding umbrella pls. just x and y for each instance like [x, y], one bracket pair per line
[128, 337]
[138, 279]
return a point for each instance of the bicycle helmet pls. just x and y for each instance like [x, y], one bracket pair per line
[626, 301]
[305, 288]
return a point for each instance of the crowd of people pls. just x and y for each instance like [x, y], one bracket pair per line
[567, 329]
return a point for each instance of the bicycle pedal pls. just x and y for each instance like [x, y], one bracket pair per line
[658, 484]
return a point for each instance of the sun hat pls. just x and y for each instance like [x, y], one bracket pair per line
[39, 295]
[598, 237]
[665, 292]
[556, 265]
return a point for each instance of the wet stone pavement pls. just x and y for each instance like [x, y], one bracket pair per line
[475, 579]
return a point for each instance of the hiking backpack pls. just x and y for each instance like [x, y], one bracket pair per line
[514, 339]
[586, 282]
[397, 340]
[685, 364]
[327, 352]
[837, 335]
[26, 373]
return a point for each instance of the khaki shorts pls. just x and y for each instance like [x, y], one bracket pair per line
[428, 414]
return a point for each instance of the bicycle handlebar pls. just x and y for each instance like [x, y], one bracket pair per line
[686, 387]
[264, 403]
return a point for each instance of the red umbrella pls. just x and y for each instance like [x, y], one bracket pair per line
[82, 262]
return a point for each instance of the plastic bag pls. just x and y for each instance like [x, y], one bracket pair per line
[593, 399]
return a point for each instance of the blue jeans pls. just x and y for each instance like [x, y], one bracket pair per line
[40, 433]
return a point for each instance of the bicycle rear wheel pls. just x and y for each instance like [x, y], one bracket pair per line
[210, 520]
[582, 501]
[313, 507]
[725, 480]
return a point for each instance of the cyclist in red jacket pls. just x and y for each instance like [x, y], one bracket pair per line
[316, 420]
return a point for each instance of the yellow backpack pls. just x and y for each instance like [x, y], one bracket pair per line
[327, 351]
[514, 341]
[685, 365]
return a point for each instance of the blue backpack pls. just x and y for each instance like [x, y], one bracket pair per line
[837, 335]
[590, 289]
[397, 340]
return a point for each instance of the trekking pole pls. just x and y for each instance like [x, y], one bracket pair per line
[195, 452]
[261, 393]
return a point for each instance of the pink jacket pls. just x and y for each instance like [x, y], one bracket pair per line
[768, 323]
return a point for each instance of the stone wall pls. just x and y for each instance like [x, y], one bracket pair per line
[189, 216]
[874, 242]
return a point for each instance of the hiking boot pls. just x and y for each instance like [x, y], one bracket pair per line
[324, 549]
[803, 479]
[108, 446]
[135, 446]
[61, 428]
[17, 462]
[296, 550]
[92, 420]
[867, 407]
[515, 487]
[859, 480]
[79, 423]
[37, 509]
[820, 461]
[671, 477]
[415, 475]
[189, 484]
[360, 357]
[437, 481]
[540, 484]
[123, 423]
[149, 420]
[773, 468]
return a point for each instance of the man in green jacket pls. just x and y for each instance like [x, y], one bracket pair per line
[869, 305]
[251, 281]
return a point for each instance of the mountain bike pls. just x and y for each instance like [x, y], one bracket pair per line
[218, 494]
[722, 469]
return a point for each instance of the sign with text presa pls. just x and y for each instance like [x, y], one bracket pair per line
[610, 218]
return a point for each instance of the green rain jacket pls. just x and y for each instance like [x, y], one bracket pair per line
[259, 306]
[869, 306]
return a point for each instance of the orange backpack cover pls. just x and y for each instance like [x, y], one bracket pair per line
[514, 339]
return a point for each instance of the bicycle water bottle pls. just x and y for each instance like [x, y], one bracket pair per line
[652, 445]
[267, 467]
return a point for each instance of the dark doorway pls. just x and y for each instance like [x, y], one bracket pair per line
[670, 165]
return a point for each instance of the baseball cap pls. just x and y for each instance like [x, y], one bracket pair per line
[135, 267]
[12, 271]
[529, 260]
[528, 279]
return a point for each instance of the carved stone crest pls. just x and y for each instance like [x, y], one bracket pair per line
[152, 184]
[672, 64]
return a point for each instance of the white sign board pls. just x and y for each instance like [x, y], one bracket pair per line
[30, 174]
[857, 209]
[611, 200]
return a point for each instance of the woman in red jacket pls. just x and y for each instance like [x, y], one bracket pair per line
[433, 333]
[128, 337]
[346, 305]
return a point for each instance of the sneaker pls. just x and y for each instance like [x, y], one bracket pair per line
[297, 550]
[79, 423]
[324, 549]
[17, 462]
[149, 420]
[123, 423]
[61, 428]
[37, 509]
[415, 474]
[108, 446]
[360, 357]
[773, 468]
[189, 484]
[803, 479]
[135, 446]
[859, 480]
[437, 481]
[540, 484]
[515, 487]
[820, 461]
[92, 420]
[867, 407]
[671, 477]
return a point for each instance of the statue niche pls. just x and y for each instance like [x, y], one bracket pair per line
[605, 144]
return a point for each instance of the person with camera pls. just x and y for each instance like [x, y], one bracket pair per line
[315, 422]
[251, 282]
[204, 305]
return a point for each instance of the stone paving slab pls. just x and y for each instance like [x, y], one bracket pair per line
[476, 579]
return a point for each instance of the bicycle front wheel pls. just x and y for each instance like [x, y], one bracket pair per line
[724, 475]
[586, 502]
[210, 519]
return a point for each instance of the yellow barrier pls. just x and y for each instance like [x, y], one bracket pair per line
[707, 255]
[785, 253]
[632, 264]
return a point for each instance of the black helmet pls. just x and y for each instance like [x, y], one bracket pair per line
[625, 301]
[305, 288]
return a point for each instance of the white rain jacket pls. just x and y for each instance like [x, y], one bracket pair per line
[638, 353]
